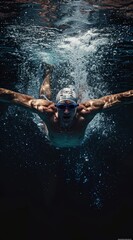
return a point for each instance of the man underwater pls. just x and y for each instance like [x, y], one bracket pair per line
[65, 121]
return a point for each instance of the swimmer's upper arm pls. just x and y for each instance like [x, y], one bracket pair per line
[23, 100]
[109, 102]
[42, 106]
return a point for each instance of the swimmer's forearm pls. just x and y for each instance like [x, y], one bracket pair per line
[109, 102]
[11, 97]
[38, 106]
[116, 100]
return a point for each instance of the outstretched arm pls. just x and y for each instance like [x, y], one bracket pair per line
[109, 102]
[26, 101]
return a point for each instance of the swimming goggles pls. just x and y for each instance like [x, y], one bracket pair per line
[66, 105]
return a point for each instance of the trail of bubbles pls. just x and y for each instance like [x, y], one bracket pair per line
[77, 54]
[85, 171]
[79, 51]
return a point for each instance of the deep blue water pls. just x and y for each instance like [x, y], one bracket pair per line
[73, 193]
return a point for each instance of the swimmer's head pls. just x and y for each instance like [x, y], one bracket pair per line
[66, 103]
[67, 93]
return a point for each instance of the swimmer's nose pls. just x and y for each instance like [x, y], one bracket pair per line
[66, 111]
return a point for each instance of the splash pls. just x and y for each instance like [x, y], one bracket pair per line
[76, 47]
[76, 53]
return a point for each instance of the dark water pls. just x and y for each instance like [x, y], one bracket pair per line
[66, 193]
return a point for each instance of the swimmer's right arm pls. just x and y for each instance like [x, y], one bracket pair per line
[23, 100]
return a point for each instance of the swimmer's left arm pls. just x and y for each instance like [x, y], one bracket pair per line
[108, 102]
[117, 100]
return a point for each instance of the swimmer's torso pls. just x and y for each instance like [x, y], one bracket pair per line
[65, 140]
[65, 137]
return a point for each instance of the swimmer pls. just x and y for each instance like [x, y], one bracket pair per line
[65, 120]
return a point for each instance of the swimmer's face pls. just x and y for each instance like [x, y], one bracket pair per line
[66, 111]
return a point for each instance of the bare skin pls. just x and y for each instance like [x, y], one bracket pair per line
[65, 128]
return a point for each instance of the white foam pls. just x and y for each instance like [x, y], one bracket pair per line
[77, 46]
